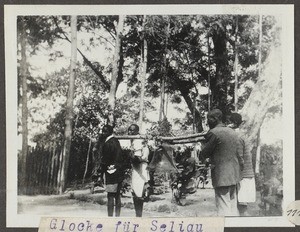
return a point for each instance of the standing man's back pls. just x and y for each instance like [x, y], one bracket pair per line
[223, 147]
[226, 169]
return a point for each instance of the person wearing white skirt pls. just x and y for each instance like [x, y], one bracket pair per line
[140, 174]
[247, 189]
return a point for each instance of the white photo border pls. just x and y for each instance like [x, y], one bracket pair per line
[10, 32]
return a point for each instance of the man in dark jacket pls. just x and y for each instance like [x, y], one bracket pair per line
[224, 150]
[112, 166]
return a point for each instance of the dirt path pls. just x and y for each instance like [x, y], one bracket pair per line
[82, 203]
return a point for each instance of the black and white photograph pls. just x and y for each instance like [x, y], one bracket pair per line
[150, 111]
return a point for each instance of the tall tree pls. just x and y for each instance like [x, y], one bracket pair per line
[266, 88]
[236, 81]
[208, 77]
[164, 72]
[69, 107]
[116, 63]
[258, 142]
[61, 34]
[162, 98]
[184, 56]
[29, 30]
[219, 83]
[87, 161]
[23, 74]
[143, 74]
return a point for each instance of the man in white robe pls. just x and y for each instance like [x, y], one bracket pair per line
[140, 174]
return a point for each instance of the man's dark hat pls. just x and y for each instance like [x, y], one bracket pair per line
[109, 128]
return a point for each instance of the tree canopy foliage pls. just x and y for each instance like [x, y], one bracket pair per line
[194, 54]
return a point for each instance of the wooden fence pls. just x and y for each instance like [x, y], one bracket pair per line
[43, 166]
[43, 171]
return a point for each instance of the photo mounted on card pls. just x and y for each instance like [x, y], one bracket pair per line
[150, 111]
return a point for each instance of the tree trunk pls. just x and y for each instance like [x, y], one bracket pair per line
[167, 104]
[219, 83]
[190, 104]
[258, 103]
[194, 113]
[208, 78]
[97, 71]
[116, 62]
[162, 99]
[23, 74]
[87, 161]
[143, 80]
[69, 107]
[143, 75]
[258, 150]
[236, 81]
[164, 75]
[59, 170]
[180, 84]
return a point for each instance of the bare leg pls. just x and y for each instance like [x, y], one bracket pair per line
[110, 204]
[138, 206]
[242, 209]
[118, 201]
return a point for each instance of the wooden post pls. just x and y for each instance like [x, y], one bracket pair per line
[51, 181]
[56, 170]
[39, 172]
[59, 171]
[34, 171]
[44, 171]
[49, 163]
[188, 138]
[29, 173]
